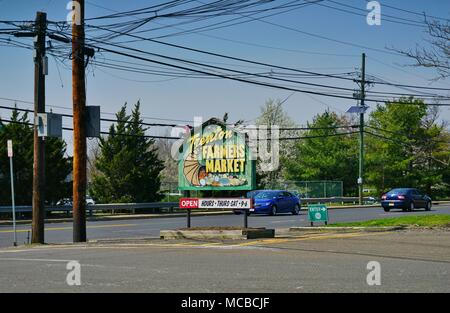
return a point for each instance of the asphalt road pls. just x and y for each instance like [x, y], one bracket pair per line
[62, 232]
[410, 261]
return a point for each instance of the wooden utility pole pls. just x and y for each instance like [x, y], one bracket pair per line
[79, 126]
[39, 143]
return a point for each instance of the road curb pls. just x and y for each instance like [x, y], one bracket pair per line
[121, 217]
[237, 234]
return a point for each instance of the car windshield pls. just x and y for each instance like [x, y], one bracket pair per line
[252, 194]
[266, 195]
[399, 190]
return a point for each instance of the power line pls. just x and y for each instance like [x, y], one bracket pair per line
[268, 65]
[409, 136]
[102, 132]
[177, 138]
[105, 113]
[320, 36]
[386, 17]
[225, 76]
[216, 54]
[102, 119]
[174, 125]
[259, 75]
[423, 14]
[253, 44]
[403, 144]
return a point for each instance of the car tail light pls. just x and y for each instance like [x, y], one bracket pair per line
[401, 197]
[383, 197]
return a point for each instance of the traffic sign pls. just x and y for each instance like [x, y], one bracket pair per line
[10, 149]
[318, 213]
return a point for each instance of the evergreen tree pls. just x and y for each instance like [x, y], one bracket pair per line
[58, 164]
[128, 167]
[22, 136]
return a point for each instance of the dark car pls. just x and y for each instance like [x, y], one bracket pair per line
[274, 201]
[406, 199]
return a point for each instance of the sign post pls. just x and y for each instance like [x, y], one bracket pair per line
[318, 213]
[188, 204]
[10, 155]
[216, 203]
[245, 219]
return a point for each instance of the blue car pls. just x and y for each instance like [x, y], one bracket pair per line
[406, 199]
[275, 201]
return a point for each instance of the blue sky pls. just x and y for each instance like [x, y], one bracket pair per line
[184, 98]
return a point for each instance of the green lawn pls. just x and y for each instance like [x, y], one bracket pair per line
[414, 220]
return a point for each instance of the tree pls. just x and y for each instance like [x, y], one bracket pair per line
[406, 147]
[58, 167]
[170, 171]
[438, 55]
[58, 164]
[328, 156]
[127, 167]
[22, 136]
[273, 114]
[169, 175]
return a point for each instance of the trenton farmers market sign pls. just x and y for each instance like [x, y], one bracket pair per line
[215, 157]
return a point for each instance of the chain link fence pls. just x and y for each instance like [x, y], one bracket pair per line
[312, 189]
[307, 189]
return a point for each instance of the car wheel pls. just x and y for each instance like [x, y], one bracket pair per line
[273, 210]
[411, 206]
[296, 210]
[428, 206]
[386, 209]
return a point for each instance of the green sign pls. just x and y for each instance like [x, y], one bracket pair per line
[318, 213]
[216, 157]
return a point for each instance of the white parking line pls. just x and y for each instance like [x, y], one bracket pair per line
[34, 260]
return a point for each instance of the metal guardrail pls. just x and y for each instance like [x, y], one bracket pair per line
[161, 205]
[96, 207]
[337, 200]
[153, 205]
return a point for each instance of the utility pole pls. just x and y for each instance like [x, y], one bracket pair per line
[361, 129]
[40, 70]
[39, 144]
[79, 126]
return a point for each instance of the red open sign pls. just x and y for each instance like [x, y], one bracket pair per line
[188, 203]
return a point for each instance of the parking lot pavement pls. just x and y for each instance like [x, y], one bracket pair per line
[410, 261]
